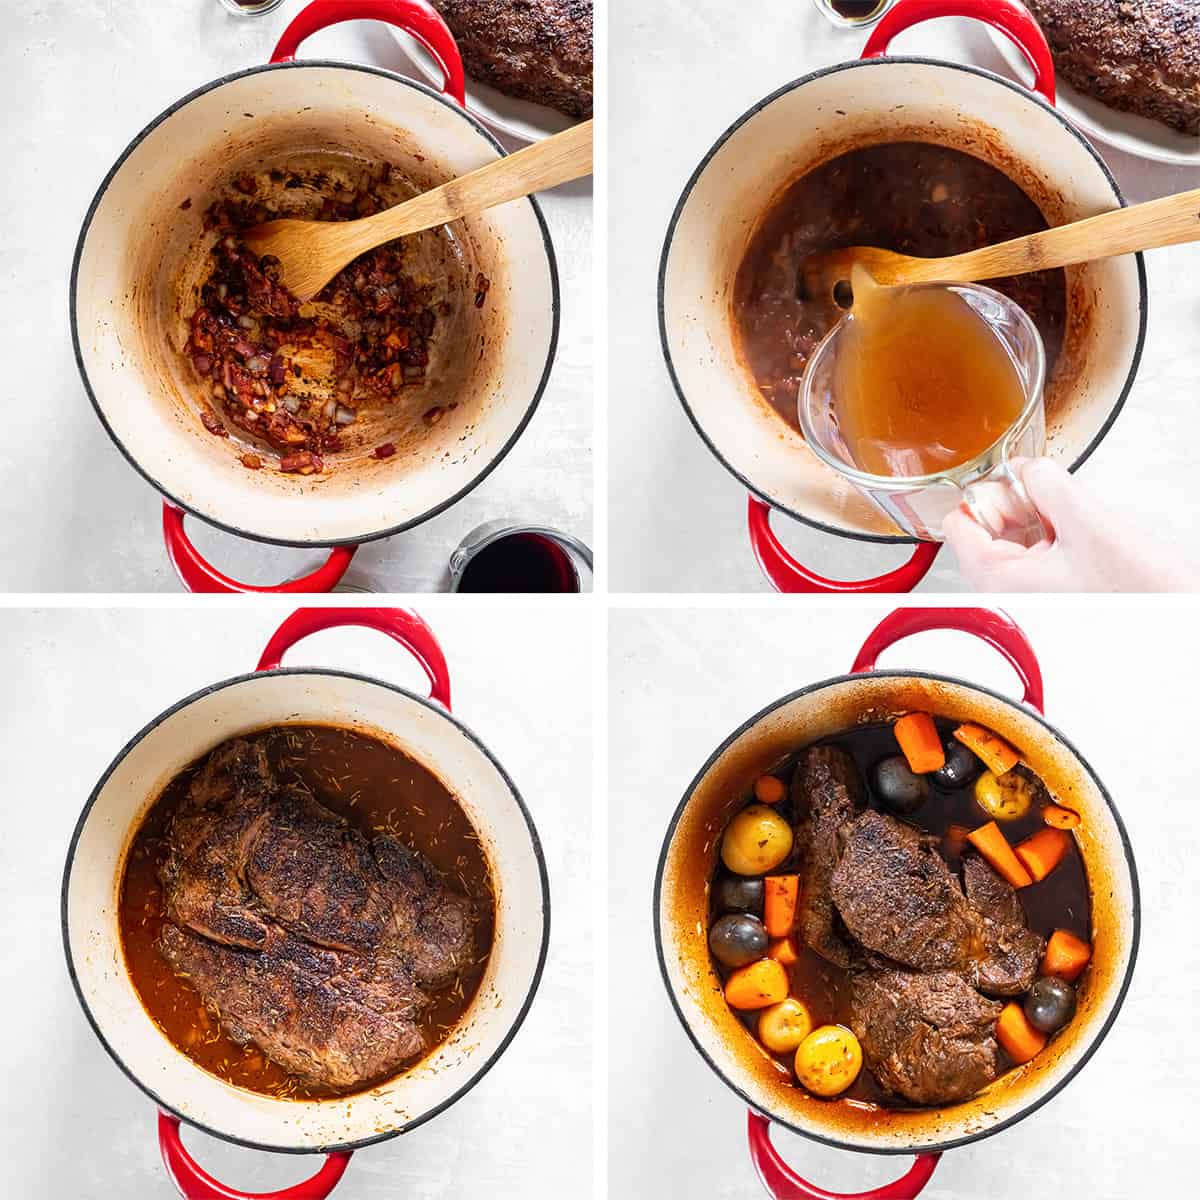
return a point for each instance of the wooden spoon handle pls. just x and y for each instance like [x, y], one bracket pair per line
[545, 164]
[1166, 222]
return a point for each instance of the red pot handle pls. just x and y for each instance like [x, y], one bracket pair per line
[199, 575]
[783, 1183]
[787, 575]
[400, 624]
[1010, 17]
[194, 1183]
[416, 17]
[991, 625]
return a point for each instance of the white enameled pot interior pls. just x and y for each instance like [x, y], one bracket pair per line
[690, 860]
[421, 730]
[142, 254]
[856, 105]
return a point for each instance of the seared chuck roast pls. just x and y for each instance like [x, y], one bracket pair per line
[539, 50]
[308, 938]
[827, 793]
[928, 1037]
[897, 896]
[925, 951]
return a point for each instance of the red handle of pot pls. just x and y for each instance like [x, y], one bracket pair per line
[416, 17]
[1010, 17]
[194, 1183]
[783, 1183]
[991, 625]
[788, 575]
[400, 624]
[199, 575]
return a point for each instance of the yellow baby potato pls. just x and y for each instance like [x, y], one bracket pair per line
[755, 841]
[828, 1060]
[1004, 797]
[783, 1026]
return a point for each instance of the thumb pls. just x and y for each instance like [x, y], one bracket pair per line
[1059, 499]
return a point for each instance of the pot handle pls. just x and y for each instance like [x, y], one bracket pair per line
[416, 17]
[782, 1183]
[1010, 17]
[400, 624]
[991, 625]
[199, 575]
[194, 1183]
[787, 575]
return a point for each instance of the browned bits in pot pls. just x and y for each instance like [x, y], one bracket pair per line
[186, 204]
[212, 423]
[251, 461]
[303, 462]
[386, 450]
[482, 286]
[248, 339]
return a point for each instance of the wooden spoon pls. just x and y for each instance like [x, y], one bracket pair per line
[311, 253]
[1166, 222]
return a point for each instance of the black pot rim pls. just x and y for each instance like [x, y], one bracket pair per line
[370, 536]
[522, 1011]
[1020, 1115]
[855, 64]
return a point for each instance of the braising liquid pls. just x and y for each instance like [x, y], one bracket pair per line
[921, 382]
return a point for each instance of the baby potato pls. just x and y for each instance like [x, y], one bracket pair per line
[1004, 797]
[783, 1026]
[828, 1060]
[756, 840]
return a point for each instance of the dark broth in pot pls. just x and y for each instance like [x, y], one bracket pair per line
[377, 789]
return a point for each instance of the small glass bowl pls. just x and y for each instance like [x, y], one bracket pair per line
[829, 10]
[250, 8]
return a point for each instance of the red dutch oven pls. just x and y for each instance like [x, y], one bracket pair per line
[141, 251]
[273, 695]
[803, 124]
[822, 709]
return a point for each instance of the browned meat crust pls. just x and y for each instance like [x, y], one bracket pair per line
[310, 939]
[1141, 56]
[539, 50]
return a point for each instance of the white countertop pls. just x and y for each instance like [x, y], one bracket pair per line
[79, 684]
[681, 74]
[682, 681]
[77, 82]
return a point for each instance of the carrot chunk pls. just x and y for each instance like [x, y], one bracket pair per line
[1066, 956]
[921, 743]
[780, 893]
[785, 950]
[1014, 1032]
[757, 985]
[993, 845]
[768, 789]
[1043, 851]
[997, 755]
[1058, 817]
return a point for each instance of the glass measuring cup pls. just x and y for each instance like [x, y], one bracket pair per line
[985, 484]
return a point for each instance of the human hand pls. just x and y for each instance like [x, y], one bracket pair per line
[1089, 548]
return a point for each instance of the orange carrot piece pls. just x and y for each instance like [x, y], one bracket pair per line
[1066, 956]
[921, 742]
[1041, 852]
[769, 790]
[785, 950]
[993, 845]
[780, 893]
[1014, 1032]
[755, 986]
[1058, 817]
[997, 755]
